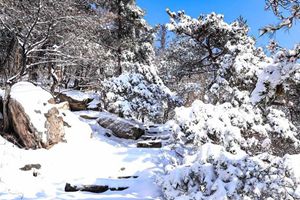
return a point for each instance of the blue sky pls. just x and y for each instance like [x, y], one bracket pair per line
[252, 10]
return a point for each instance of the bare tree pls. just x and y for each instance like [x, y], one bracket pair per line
[51, 37]
[57, 37]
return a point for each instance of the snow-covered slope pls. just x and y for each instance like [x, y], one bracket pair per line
[82, 160]
[91, 162]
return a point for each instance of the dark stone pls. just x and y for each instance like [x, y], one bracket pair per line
[127, 177]
[92, 188]
[122, 128]
[30, 167]
[86, 188]
[118, 189]
[88, 117]
[35, 174]
[150, 144]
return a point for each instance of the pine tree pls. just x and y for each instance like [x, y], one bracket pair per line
[137, 91]
[287, 11]
[206, 57]
[130, 38]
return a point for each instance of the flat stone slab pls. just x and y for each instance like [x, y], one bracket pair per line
[122, 128]
[149, 144]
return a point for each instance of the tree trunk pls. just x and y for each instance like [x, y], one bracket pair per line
[119, 69]
[6, 121]
[163, 38]
[11, 60]
[119, 51]
[54, 83]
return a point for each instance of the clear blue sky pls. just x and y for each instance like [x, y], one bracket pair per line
[252, 10]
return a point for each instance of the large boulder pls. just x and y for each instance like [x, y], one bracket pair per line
[122, 128]
[77, 100]
[36, 120]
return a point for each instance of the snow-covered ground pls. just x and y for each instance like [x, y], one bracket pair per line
[92, 155]
[83, 160]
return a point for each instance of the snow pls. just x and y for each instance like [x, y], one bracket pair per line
[94, 104]
[76, 131]
[89, 157]
[76, 95]
[86, 157]
[232, 145]
[223, 123]
[217, 174]
[2, 93]
[138, 94]
[91, 162]
[81, 160]
[18, 90]
[272, 75]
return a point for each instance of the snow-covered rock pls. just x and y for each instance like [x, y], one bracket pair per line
[40, 123]
[36, 121]
[77, 99]
[122, 128]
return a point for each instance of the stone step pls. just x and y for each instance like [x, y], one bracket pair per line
[149, 144]
[92, 188]
[89, 117]
[107, 184]
[127, 177]
[157, 128]
[153, 137]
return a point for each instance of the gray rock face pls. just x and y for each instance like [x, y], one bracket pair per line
[122, 128]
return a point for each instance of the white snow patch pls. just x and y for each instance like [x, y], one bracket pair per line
[76, 95]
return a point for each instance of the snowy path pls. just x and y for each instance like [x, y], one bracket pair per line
[97, 161]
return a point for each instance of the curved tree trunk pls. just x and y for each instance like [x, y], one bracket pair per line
[6, 121]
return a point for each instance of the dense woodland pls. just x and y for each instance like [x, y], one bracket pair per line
[209, 82]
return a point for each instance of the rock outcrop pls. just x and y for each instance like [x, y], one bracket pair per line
[122, 128]
[77, 100]
[36, 120]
